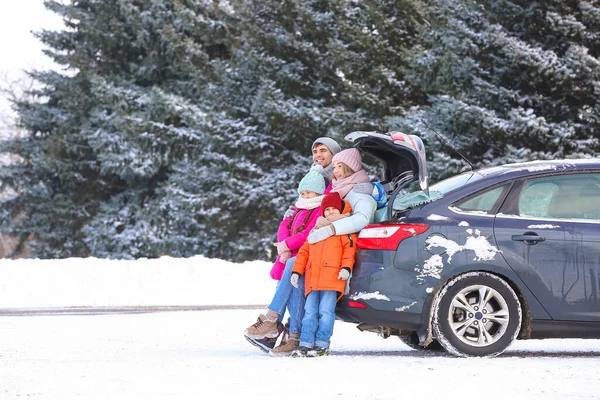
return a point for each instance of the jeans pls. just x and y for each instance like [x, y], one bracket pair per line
[319, 316]
[288, 296]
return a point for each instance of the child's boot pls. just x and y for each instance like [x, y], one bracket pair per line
[301, 352]
[318, 352]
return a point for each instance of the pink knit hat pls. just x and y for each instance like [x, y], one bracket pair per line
[350, 157]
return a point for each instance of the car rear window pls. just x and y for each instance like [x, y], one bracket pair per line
[411, 198]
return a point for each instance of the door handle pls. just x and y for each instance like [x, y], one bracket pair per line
[529, 238]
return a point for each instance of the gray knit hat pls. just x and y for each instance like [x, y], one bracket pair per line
[331, 144]
[312, 181]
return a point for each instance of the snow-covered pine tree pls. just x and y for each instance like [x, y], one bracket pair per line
[303, 70]
[128, 106]
[506, 81]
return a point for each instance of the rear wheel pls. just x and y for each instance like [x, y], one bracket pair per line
[477, 314]
[412, 341]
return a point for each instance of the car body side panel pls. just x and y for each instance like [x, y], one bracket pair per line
[562, 271]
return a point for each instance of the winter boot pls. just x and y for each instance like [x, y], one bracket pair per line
[301, 352]
[288, 345]
[266, 344]
[318, 352]
[263, 328]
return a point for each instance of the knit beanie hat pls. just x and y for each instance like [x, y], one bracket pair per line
[350, 157]
[331, 144]
[312, 181]
[332, 199]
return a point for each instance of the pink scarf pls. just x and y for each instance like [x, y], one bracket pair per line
[344, 185]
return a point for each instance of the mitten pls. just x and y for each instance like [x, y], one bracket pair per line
[289, 212]
[321, 222]
[294, 279]
[281, 247]
[317, 235]
[344, 274]
[363, 187]
[283, 257]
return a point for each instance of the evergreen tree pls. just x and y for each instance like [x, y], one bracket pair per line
[506, 81]
[127, 108]
[302, 70]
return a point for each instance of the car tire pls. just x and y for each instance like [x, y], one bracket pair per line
[461, 317]
[412, 341]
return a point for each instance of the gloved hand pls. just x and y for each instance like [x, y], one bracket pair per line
[283, 257]
[316, 235]
[344, 274]
[363, 187]
[294, 279]
[321, 222]
[281, 247]
[289, 212]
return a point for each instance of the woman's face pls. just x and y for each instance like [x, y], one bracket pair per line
[340, 170]
[307, 194]
[321, 155]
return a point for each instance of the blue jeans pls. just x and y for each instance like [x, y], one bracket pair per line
[288, 296]
[319, 316]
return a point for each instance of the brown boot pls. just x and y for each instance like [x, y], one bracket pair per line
[287, 346]
[262, 328]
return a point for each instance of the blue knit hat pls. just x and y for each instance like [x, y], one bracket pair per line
[312, 181]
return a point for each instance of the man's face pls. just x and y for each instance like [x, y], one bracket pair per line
[321, 155]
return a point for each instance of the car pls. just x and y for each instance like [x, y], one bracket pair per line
[478, 260]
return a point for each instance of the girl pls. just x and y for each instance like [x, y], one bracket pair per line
[327, 265]
[293, 230]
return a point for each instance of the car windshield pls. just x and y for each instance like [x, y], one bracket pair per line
[410, 199]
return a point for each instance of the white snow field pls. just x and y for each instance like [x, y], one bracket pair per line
[203, 354]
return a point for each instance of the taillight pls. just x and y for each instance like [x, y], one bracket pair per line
[388, 236]
[356, 304]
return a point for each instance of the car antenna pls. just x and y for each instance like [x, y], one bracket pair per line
[449, 145]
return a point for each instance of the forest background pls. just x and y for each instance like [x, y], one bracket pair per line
[182, 127]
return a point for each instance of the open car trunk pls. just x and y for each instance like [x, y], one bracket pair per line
[402, 156]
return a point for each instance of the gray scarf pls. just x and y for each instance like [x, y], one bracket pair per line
[327, 172]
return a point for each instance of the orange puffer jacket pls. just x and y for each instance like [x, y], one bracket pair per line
[322, 261]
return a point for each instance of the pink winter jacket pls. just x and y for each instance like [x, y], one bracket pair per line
[293, 239]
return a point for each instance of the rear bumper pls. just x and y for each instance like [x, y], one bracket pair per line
[393, 319]
[394, 297]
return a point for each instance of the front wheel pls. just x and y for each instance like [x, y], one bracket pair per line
[477, 314]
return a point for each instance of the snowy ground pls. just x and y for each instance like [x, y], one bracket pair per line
[203, 355]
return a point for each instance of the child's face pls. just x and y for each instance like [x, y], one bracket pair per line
[321, 155]
[307, 194]
[329, 211]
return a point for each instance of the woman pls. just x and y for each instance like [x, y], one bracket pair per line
[347, 173]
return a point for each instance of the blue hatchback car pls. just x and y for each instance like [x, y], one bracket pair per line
[480, 259]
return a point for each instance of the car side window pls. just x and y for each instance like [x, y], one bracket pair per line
[535, 198]
[575, 196]
[485, 201]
